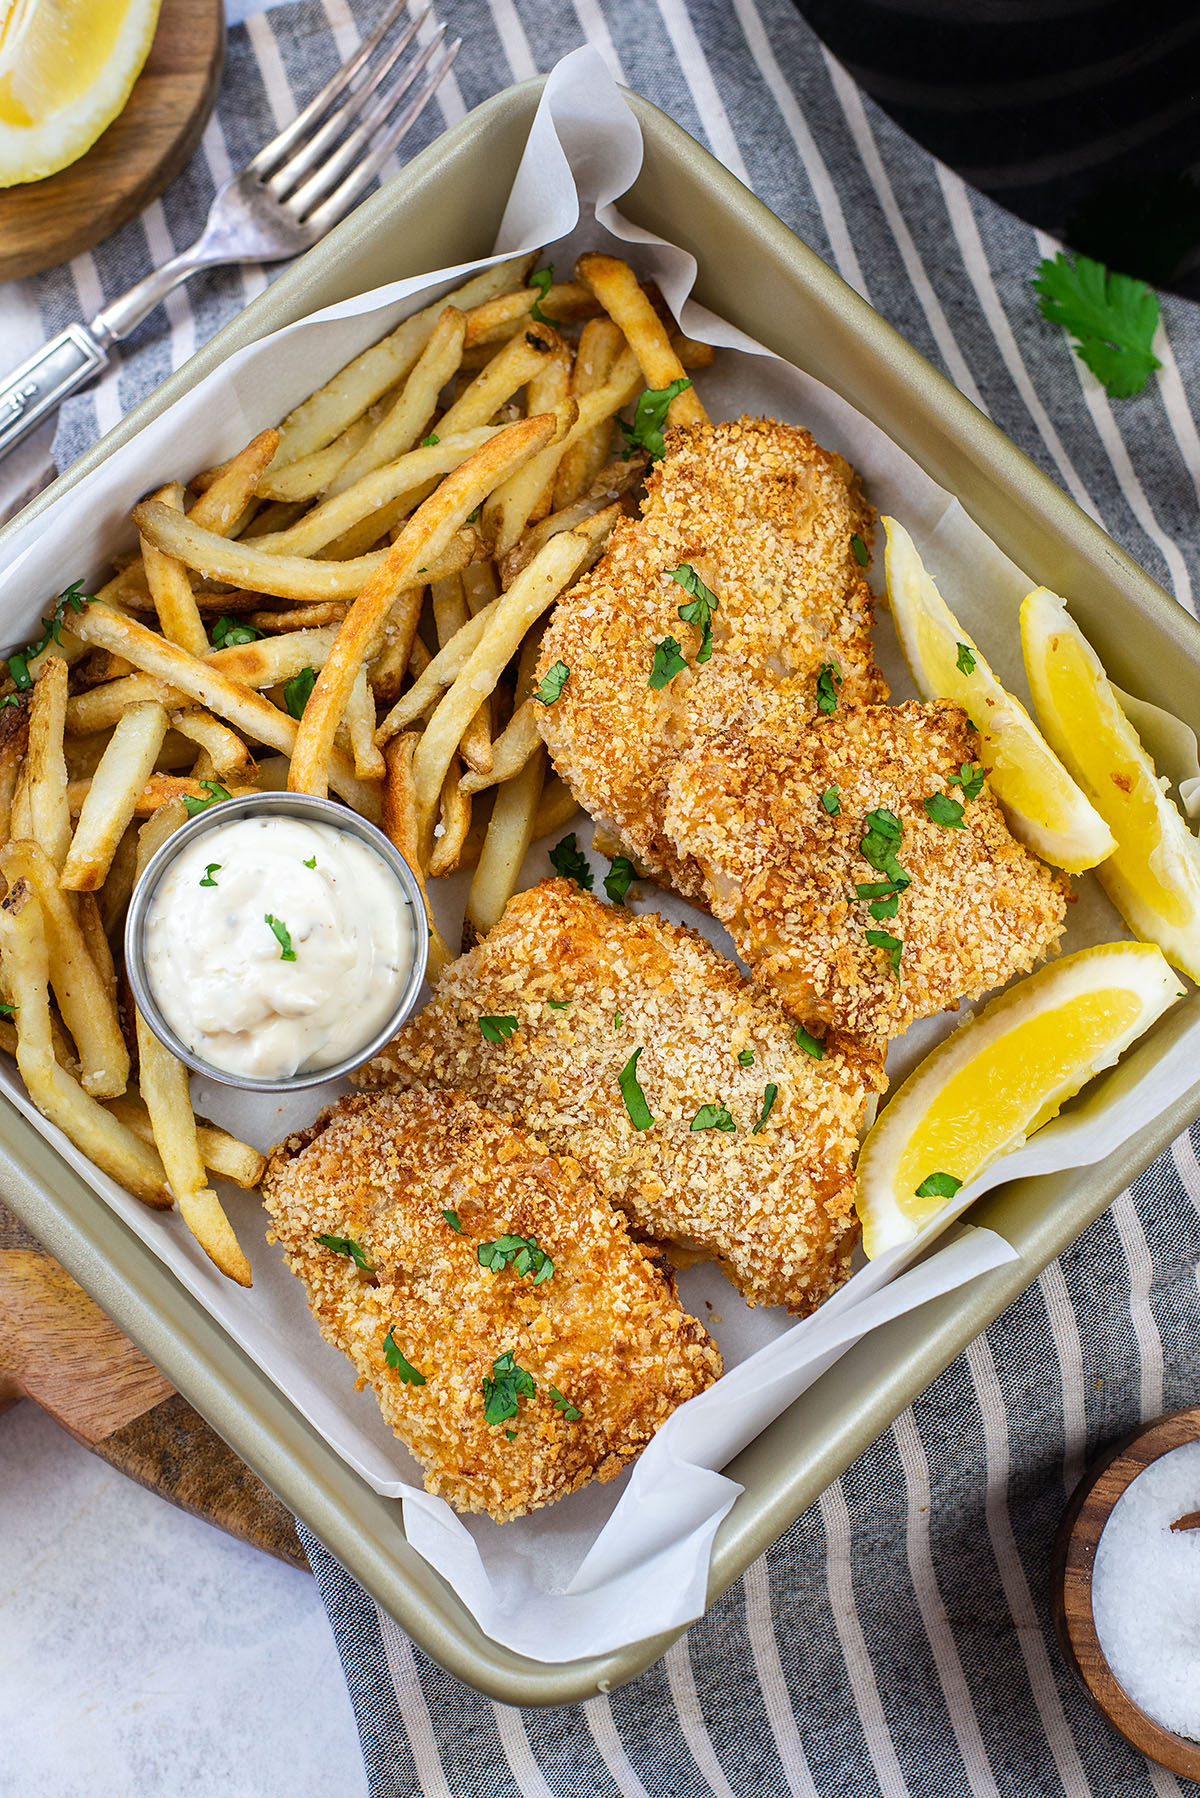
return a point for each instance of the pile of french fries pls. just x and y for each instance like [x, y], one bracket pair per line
[353, 602]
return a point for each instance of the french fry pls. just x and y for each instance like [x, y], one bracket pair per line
[46, 768]
[617, 288]
[424, 537]
[13, 755]
[269, 660]
[510, 830]
[87, 910]
[557, 806]
[224, 501]
[229, 754]
[113, 897]
[272, 515]
[480, 586]
[440, 671]
[360, 727]
[88, 1007]
[112, 795]
[498, 319]
[449, 615]
[400, 428]
[297, 482]
[614, 480]
[221, 1153]
[600, 343]
[386, 671]
[159, 789]
[691, 353]
[104, 706]
[510, 750]
[301, 618]
[454, 821]
[399, 824]
[169, 586]
[101, 1137]
[248, 565]
[516, 364]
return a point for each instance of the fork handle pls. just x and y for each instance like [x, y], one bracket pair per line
[42, 383]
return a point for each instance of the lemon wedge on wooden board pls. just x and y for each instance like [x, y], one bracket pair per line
[1153, 876]
[66, 71]
[987, 1088]
[1045, 808]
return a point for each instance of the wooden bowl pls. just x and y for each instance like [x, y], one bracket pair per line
[1071, 1587]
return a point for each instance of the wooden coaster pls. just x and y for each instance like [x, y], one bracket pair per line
[43, 223]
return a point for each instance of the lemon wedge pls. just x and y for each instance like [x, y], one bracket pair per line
[1045, 808]
[1153, 878]
[66, 70]
[1000, 1077]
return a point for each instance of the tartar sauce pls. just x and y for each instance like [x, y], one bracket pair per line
[277, 947]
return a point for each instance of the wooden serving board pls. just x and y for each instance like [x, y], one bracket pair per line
[58, 1349]
[43, 223]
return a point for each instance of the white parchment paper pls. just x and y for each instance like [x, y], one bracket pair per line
[611, 1564]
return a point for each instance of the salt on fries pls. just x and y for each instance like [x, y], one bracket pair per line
[267, 633]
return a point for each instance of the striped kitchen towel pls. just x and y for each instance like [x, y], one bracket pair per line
[896, 1640]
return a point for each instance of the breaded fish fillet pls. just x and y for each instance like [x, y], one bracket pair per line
[766, 518]
[513, 1384]
[578, 988]
[793, 820]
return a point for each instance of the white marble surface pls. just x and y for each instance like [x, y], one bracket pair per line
[144, 1654]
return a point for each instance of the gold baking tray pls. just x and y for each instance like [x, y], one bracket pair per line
[443, 209]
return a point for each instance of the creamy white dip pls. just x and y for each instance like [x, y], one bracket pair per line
[277, 947]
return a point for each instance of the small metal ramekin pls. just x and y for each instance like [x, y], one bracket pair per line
[280, 805]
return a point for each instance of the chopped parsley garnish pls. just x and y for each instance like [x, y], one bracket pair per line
[970, 779]
[571, 1413]
[10, 1011]
[311, 863]
[297, 690]
[619, 879]
[965, 660]
[649, 417]
[12, 699]
[746, 1058]
[216, 792]
[1112, 318]
[829, 679]
[938, 1186]
[667, 663]
[346, 1245]
[941, 809]
[452, 1219]
[501, 1390]
[831, 800]
[396, 1360]
[510, 1435]
[875, 889]
[812, 1045]
[541, 279]
[640, 1115]
[498, 1030]
[568, 859]
[885, 908]
[879, 846]
[212, 868]
[279, 931]
[770, 1094]
[521, 1253]
[430, 442]
[699, 609]
[472, 518]
[74, 600]
[558, 1004]
[713, 1117]
[883, 939]
[228, 632]
[616, 1020]
[862, 554]
[551, 684]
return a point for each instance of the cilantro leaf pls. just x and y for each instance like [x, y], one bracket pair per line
[831, 801]
[521, 1253]
[395, 1359]
[552, 683]
[941, 809]
[938, 1186]
[640, 1115]
[10, 1011]
[713, 1117]
[619, 879]
[216, 792]
[568, 859]
[430, 442]
[452, 1218]
[279, 931]
[746, 1058]
[510, 1435]
[970, 779]
[862, 554]
[498, 1030]
[879, 847]
[812, 1045]
[649, 417]
[964, 660]
[883, 939]
[699, 609]
[885, 908]
[506, 1384]
[558, 1004]
[212, 868]
[346, 1245]
[571, 1413]
[1111, 317]
[541, 279]
[616, 1020]
[297, 690]
[829, 679]
[770, 1094]
[667, 663]
[228, 632]
[310, 863]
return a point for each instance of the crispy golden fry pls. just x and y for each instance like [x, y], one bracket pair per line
[449, 615]
[600, 343]
[229, 754]
[103, 707]
[295, 483]
[14, 748]
[255, 716]
[614, 481]
[91, 923]
[496, 320]
[113, 1148]
[112, 795]
[427, 533]
[402, 425]
[246, 564]
[45, 778]
[269, 660]
[558, 806]
[617, 288]
[511, 750]
[517, 363]
[159, 789]
[222, 1154]
[691, 353]
[399, 824]
[511, 827]
[224, 500]
[386, 670]
[301, 618]
[84, 997]
[272, 515]
[169, 586]
[360, 728]
[113, 897]
[480, 586]
[454, 821]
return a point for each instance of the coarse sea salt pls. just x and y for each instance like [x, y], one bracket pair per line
[1146, 1591]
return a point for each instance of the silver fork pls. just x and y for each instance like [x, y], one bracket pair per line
[286, 197]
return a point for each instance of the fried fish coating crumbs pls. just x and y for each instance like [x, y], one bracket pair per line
[782, 870]
[776, 1208]
[605, 1331]
[766, 518]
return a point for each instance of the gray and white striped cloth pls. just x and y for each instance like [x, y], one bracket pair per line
[896, 1639]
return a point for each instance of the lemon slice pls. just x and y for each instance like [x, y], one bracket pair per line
[66, 68]
[1153, 878]
[1045, 808]
[1007, 1072]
